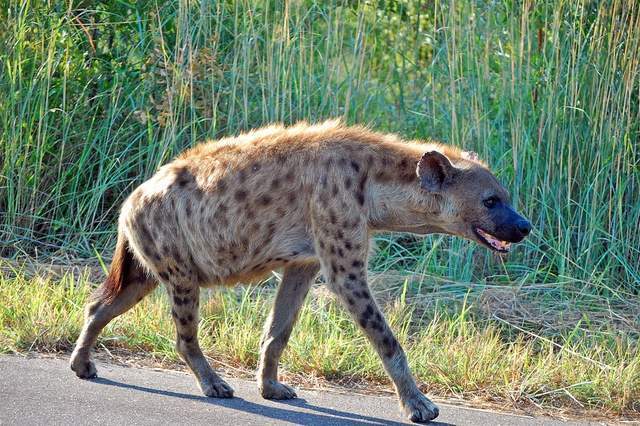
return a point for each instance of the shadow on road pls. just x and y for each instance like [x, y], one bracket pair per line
[327, 416]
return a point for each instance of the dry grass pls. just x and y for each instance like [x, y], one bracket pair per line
[455, 352]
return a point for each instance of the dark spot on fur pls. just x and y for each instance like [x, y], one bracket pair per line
[178, 301]
[334, 267]
[183, 178]
[240, 195]
[291, 197]
[350, 301]
[340, 252]
[352, 277]
[324, 181]
[186, 339]
[188, 208]
[377, 326]
[360, 198]
[347, 183]
[183, 321]
[334, 190]
[321, 244]
[363, 323]
[393, 347]
[357, 264]
[164, 276]
[289, 176]
[341, 268]
[362, 294]
[189, 317]
[174, 313]
[332, 217]
[275, 183]
[242, 176]
[362, 182]
[339, 234]
[265, 200]
[221, 186]
[367, 313]
[347, 245]
[355, 166]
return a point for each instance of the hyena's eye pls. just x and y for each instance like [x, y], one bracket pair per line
[491, 202]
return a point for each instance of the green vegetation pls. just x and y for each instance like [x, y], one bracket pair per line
[454, 354]
[95, 96]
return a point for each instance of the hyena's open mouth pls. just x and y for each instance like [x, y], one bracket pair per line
[493, 242]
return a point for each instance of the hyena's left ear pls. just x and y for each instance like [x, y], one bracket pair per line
[435, 171]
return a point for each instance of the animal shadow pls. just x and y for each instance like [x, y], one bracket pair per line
[320, 416]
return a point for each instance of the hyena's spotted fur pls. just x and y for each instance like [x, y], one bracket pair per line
[305, 199]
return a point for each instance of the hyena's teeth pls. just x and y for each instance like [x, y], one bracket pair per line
[494, 242]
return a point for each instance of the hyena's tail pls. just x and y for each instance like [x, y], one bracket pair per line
[123, 267]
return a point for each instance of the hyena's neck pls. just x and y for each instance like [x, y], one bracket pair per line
[396, 201]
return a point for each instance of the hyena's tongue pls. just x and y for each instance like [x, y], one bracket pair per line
[494, 242]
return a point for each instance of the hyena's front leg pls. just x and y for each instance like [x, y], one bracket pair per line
[343, 255]
[184, 310]
[296, 281]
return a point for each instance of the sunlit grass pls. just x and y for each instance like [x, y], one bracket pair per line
[452, 353]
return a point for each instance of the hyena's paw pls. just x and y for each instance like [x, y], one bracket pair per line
[419, 408]
[271, 389]
[83, 367]
[217, 389]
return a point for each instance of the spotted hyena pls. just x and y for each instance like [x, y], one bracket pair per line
[305, 199]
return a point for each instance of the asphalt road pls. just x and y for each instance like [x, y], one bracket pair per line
[45, 391]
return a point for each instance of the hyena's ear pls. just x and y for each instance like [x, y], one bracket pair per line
[434, 170]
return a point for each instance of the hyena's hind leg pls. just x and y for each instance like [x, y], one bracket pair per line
[125, 286]
[296, 281]
[184, 297]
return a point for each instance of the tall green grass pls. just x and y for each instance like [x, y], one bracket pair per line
[92, 101]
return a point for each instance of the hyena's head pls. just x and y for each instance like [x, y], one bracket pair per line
[473, 203]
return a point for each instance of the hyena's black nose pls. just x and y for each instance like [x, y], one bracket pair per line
[524, 227]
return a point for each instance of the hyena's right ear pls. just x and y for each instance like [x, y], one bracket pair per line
[435, 171]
